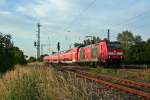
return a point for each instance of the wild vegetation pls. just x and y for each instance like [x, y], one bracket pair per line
[10, 55]
[136, 50]
[36, 82]
[31, 59]
[88, 41]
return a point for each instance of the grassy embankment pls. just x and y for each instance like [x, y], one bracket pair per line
[36, 82]
[135, 74]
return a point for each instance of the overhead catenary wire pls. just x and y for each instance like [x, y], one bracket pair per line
[133, 18]
[77, 17]
[80, 14]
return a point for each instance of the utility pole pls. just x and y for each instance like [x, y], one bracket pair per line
[108, 35]
[58, 47]
[42, 45]
[38, 40]
[49, 45]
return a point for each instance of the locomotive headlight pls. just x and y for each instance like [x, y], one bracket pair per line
[110, 53]
[119, 53]
[115, 53]
[121, 57]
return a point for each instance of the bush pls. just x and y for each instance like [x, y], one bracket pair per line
[31, 59]
[9, 54]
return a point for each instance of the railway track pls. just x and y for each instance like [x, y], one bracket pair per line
[120, 80]
[120, 84]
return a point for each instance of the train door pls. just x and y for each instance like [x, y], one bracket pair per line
[82, 54]
[94, 54]
[102, 55]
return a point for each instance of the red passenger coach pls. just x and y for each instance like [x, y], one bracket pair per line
[46, 59]
[70, 56]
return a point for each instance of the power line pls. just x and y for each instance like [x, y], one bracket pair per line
[140, 28]
[132, 18]
[80, 14]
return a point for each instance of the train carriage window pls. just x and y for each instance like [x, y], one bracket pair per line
[94, 52]
[114, 45]
[82, 54]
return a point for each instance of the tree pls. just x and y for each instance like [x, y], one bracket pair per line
[31, 59]
[88, 42]
[77, 44]
[19, 57]
[54, 52]
[137, 50]
[9, 54]
[138, 54]
[41, 57]
[137, 39]
[98, 39]
[126, 38]
[148, 41]
[6, 54]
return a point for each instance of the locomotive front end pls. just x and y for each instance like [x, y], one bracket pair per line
[115, 52]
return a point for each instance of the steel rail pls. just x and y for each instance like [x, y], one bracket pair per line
[109, 84]
[121, 80]
[116, 86]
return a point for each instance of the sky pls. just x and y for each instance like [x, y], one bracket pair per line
[69, 21]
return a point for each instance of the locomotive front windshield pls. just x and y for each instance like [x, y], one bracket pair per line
[114, 45]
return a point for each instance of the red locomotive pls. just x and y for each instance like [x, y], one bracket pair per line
[103, 52]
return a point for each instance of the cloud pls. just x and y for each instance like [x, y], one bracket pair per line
[44, 8]
[61, 5]
[3, 1]
[5, 13]
[21, 9]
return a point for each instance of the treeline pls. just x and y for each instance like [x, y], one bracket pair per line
[137, 51]
[88, 41]
[9, 54]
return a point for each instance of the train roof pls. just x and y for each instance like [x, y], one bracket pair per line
[65, 51]
[72, 49]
